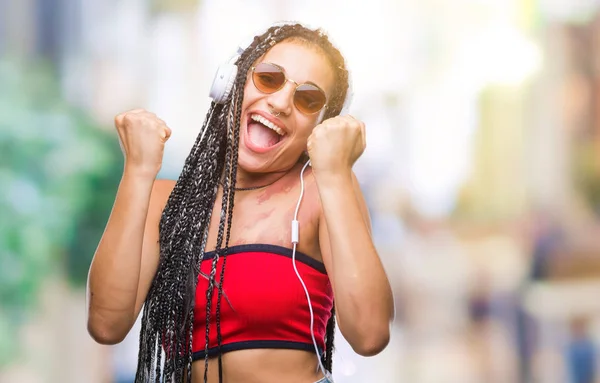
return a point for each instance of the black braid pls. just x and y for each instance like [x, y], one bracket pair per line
[168, 315]
[329, 334]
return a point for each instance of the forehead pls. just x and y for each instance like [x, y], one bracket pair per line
[302, 63]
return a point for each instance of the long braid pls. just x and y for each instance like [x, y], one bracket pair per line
[227, 192]
[236, 132]
[329, 334]
[168, 315]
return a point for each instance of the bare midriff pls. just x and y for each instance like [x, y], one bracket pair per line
[261, 366]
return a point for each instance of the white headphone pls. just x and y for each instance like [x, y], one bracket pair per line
[220, 89]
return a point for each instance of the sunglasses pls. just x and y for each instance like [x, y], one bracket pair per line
[269, 78]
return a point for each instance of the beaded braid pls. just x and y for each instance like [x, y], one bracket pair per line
[168, 315]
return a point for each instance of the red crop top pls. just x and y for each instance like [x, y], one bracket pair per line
[266, 306]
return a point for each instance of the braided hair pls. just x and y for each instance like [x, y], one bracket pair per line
[168, 315]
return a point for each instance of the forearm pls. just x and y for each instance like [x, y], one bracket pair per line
[361, 287]
[114, 273]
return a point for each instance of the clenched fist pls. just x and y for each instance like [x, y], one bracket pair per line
[143, 137]
[335, 144]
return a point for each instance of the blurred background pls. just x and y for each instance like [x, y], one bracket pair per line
[482, 171]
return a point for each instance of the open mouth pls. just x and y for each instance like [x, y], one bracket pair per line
[263, 133]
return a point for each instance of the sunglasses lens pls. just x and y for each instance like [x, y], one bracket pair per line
[268, 78]
[309, 99]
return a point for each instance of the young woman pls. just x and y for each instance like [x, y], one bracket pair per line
[224, 276]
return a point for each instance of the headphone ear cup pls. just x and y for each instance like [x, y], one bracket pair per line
[223, 83]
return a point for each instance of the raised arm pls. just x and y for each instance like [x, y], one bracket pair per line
[127, 256]
[363, 296]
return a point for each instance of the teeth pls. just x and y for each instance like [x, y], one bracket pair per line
[268, 124]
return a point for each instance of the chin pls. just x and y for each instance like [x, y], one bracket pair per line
[250, 163]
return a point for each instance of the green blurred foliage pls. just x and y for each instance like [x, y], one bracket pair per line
[58, 172]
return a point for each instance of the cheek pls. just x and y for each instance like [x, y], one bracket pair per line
[304, 134]
[249, 98]
[308, 124]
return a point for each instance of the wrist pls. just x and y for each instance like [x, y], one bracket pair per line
[333, 178]
[139, 172]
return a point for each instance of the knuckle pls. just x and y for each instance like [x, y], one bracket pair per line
[129, 118]
[158, 126]
[329, 125]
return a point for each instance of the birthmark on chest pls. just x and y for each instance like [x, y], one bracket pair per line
[283, 187]
[263, 215]
[252, 221]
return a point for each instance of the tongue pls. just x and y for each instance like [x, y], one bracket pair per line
[262, 136]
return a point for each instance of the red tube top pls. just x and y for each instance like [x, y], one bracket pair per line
[266, 306]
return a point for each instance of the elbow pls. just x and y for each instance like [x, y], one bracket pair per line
[373, 342]
[104, 334]
[371, 347]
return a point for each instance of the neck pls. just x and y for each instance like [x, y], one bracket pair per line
[247, 180]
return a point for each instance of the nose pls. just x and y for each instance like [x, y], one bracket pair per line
[283, 100]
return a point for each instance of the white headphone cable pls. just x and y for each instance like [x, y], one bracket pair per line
[295, 236]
